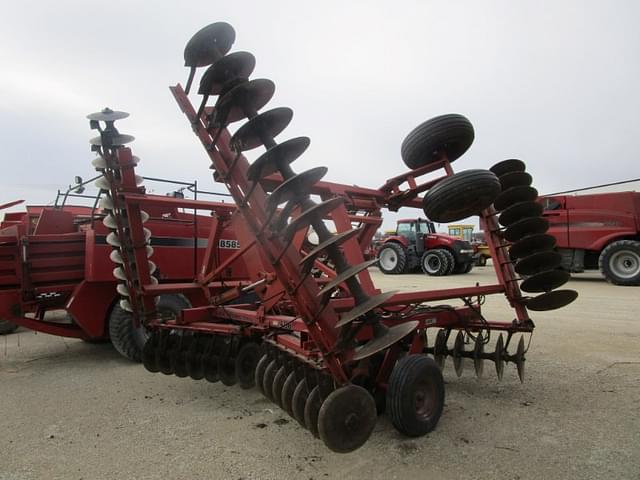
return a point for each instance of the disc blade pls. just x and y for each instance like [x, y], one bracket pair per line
[110, 221]
[515, 179]
[498, 357]
[268, 124]
[99, 163]
[532, 244]
[107, 115]
[118, 272]
[112, 140]
[551, 300]
[243, 100]
[524, 227]
[478, 353]
[152, 267]
[514, 195]
[102, 183]
[237, 65]
[364, 307]
[122, 289]
[440, 348]
[209, 44]
[519, 359]
[545, 281]
[307, 262]
[106, 202]
[506, 166]
[126, 305]
[458, 352]
[277, 157]
[538, 262]
[317, 212]
[113, 240]
[385, 340]
[116, 257]
[345, 275]
[297, 186]
[520, 211]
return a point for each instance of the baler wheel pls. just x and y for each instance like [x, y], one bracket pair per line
[415, 396]
[312, 410]
[619, 262]
[449, 135]
[246, 363]
[346, 418]
[299, 400]
[278, 384]
[259, 372]
[288, 389]
[268, 377]
[461, 195]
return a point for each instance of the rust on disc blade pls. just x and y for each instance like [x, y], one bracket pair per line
[515, 179]
[364, 307]
[519, 211]
[307, 262]
[296, 186]
[538, 262]
[242, 100]
[524, 227]
[345, 275]
[532, 244]
[545, 281]
[551, 300]
[209, 44]
[276, 157]
[506, 166]
[234, 66]
[514, 195]
[268, 124]
[384, 338]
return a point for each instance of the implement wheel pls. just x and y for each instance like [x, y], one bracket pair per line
[450, 134]
[7, 327]
[415, 397]
[347, 418]
[392, 259]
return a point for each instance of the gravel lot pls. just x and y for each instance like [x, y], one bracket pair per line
[74, 410]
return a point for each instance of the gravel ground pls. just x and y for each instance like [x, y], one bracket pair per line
[74, 410]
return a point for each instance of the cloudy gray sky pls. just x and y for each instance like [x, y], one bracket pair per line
[552, 82]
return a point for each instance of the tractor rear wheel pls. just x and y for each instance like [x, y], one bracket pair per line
[450, 134]
[461, 195]
[619, 262]
[7, 327]
[463, 267]
[435, 262]
[415, 397]
[451, 260]
[129, 340]
[392, 259]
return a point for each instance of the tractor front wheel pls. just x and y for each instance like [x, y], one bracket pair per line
[392, 259]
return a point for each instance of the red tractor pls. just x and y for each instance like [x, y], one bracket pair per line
[597, 231]
[415, 243]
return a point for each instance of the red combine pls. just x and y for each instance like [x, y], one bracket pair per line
[332, 350]
[416, 244]
[58, 258]
[597, 231]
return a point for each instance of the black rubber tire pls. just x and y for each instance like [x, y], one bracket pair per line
[461, 195]
[7, 327]
[127, 339]
[412, 378]
[461, 268]
[619, 262]
[393, 250]
[435, 262]
[481, 261]
[452, 134]
[452, 261]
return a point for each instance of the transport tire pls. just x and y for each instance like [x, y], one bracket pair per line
[129, 340]
[7, 327]
[452, 134]
[392, 259]
[435, 262]
[619, 262]
[415, 397]
[461, 195]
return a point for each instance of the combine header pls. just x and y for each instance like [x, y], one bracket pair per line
[330, 349]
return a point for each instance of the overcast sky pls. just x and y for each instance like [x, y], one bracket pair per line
[554, 83]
